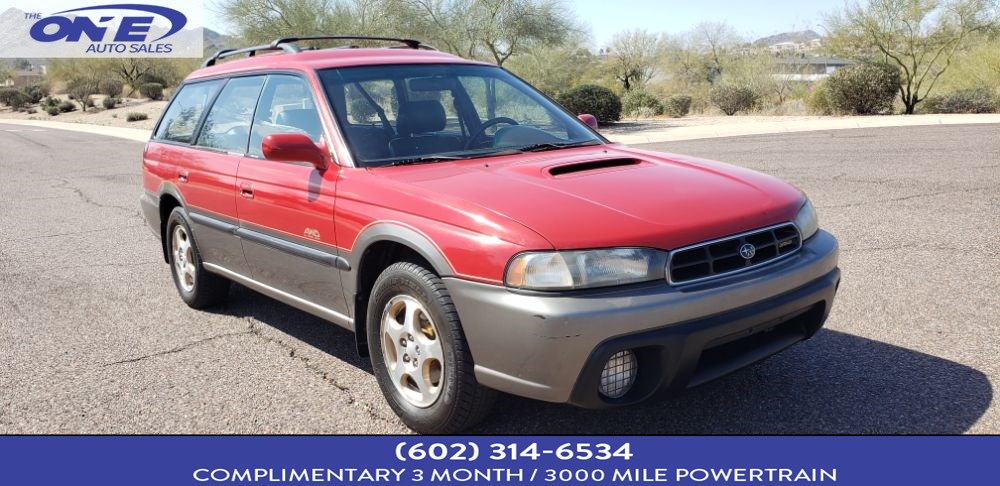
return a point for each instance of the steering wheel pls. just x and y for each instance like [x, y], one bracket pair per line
[487, 124]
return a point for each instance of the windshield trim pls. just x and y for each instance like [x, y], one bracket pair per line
[358, 162]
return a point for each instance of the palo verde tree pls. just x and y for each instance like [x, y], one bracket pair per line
[262, 21]
[633, 57]
[921, 37]
[493, 30]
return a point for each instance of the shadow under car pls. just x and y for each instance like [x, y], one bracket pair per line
[834, 383]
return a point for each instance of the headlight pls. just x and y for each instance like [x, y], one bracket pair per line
[564, 270]
[807, 221]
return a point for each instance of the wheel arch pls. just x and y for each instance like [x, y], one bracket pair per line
[377, 247]
[169, 198]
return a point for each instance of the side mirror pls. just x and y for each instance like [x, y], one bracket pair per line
[293, 147]
[590, 120]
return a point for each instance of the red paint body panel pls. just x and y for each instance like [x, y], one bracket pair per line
[662, 202]
[211, 180]
[288, 198]
[478, 213]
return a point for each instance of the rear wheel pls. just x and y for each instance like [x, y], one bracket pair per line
[198, 288]
[419, 354]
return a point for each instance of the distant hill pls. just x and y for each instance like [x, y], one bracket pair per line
[799, 37]
[215, 41]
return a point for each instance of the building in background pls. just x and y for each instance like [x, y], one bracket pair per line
[807, 69]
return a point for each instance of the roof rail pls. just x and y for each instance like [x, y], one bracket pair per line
[287, 45]
[410, 43]
[250, 52]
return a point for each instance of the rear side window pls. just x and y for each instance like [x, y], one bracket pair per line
[227, 125]
[185, 111]
[286, 106]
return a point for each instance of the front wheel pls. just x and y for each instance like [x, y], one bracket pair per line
[419, 354]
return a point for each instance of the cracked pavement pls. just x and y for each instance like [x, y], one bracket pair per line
[93, 338]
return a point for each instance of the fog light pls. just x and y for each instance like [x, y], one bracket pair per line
[618, 375]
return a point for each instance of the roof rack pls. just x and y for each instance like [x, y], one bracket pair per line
[410, 43]
[287, 45]
[250, 52]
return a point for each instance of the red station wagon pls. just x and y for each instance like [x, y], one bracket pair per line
[474, 235]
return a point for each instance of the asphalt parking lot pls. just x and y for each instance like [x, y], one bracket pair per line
[93, 338]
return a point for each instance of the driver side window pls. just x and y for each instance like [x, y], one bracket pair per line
[286, 106]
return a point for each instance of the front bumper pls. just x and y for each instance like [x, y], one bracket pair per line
[552, 347]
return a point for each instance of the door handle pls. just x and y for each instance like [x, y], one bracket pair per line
[246, 190]
[182, 175]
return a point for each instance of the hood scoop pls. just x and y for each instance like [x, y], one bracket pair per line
[590, 166]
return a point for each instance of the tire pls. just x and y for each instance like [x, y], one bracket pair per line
[457, 401]
[197, 287]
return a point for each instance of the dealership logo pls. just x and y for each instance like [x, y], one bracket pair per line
[154, 28]
[747, 251]
[132, 28]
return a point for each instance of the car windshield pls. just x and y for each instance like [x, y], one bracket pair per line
[404, 114]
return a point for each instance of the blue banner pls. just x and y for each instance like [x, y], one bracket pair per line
[179, 460]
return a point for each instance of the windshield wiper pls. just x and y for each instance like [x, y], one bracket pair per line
[538, 147]
[541, 147]
[427, 159]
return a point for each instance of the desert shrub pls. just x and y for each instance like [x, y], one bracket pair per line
[50, 101]
[35, 93]
[66, 107]
[154, 78]
[599, 101]
[732, 98]
[110, 87]
[677, 105]
[930, 104]
[32, 111]
[110, 102]
[818, 101]
[979, 100]
[134, 117]
[863, 89]
[641, 103]
[153, 91]
[14, 98]
[81, 90]
[52, 110]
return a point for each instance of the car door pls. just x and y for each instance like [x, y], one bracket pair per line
[286, 209]
[205, 178]
[222, 142]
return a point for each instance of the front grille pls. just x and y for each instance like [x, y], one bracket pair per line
[722, 257]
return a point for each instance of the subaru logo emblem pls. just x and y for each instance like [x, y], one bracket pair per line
[747, 251]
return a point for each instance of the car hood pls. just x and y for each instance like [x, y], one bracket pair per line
[609, 195]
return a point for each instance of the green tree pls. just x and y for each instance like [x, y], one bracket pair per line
[716, 42]
[554, 69]
[262, 21]
[634, 56]
[921, 37]
[6, 70]
[494, 30]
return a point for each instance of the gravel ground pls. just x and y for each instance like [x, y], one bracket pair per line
[97, 115]
[94, 339]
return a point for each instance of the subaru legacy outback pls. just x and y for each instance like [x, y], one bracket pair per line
[474, 235]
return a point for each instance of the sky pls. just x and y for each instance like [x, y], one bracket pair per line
[751, 18]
